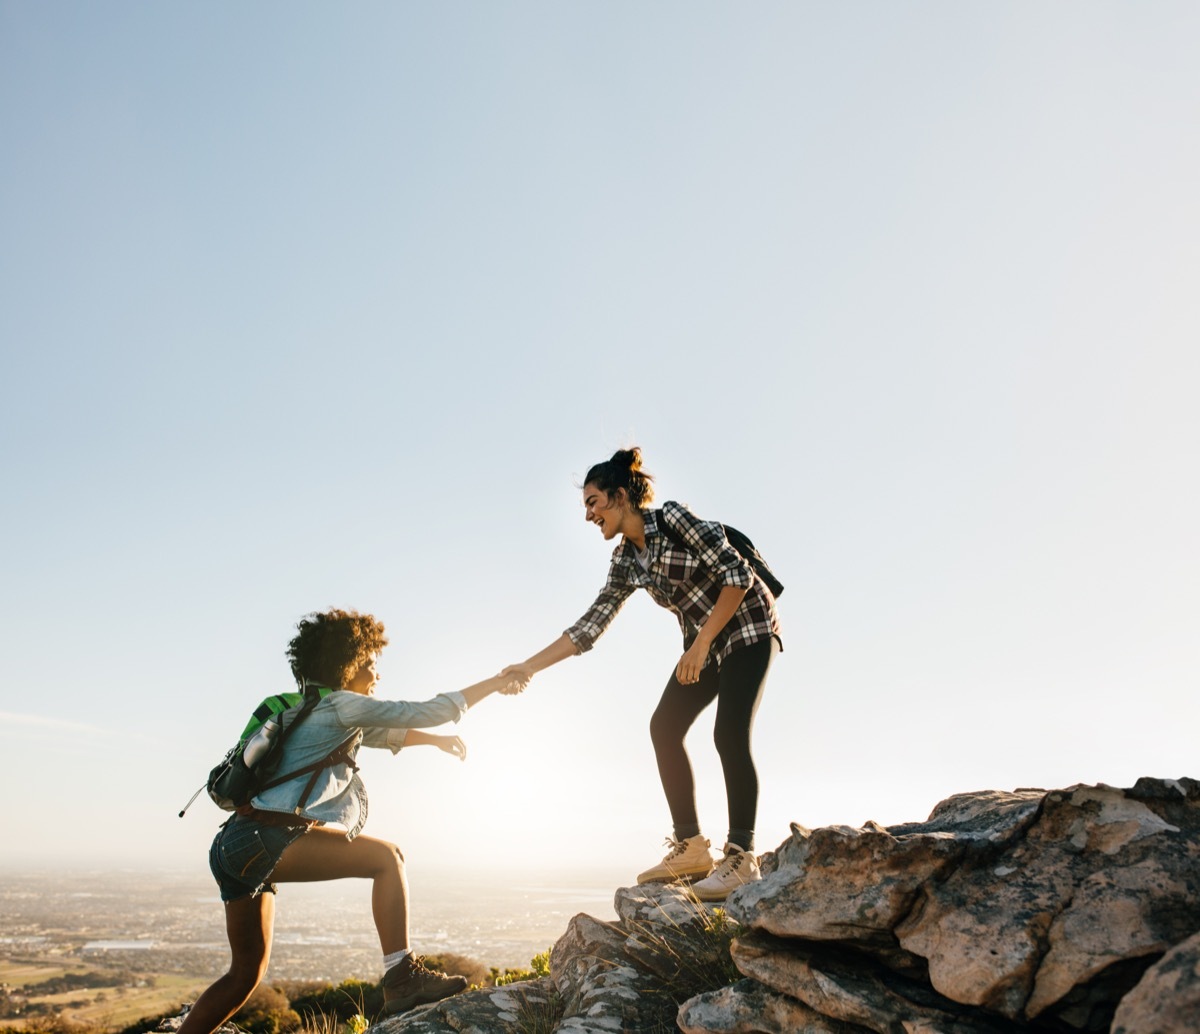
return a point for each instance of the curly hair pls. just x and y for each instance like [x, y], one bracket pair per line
[330, 646]
[623, 470]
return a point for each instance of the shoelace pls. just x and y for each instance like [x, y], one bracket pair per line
[677, 847]
[729, 863]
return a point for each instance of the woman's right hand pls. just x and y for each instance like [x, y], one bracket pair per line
[515, 678]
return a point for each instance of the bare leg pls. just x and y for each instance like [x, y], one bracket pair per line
[248, 924]
[325, 854]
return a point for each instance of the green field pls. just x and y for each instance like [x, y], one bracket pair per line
[112, 1007]
[18, 974]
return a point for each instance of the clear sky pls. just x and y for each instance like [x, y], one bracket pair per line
[306, 305]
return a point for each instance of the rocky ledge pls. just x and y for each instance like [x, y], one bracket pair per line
[1065, 910]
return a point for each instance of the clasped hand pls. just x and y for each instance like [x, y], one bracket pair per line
[518, 676]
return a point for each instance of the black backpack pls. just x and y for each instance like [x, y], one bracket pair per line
[234, 781]
[741, 542]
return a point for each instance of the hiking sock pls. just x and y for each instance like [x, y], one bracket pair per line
[744, 838]
[682, 833]
[395, 957]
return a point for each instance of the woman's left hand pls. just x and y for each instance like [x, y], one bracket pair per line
[687, 671]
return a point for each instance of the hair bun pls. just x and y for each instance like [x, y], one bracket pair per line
[628, 459]
[623, 470]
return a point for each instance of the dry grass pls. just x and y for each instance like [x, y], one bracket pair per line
[689, 957]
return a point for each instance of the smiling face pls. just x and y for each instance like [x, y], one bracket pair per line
[606, 511]
[364, 679]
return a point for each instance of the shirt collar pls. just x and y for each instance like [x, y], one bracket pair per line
[627, 550]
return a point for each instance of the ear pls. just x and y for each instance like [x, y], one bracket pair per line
[620, 496]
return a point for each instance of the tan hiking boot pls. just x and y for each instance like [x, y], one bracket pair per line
[686, 860]
[409, 984]
[736, 869]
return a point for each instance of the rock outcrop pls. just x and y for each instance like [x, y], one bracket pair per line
[1167, 998]
[1064, 911]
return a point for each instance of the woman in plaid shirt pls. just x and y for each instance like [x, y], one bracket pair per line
[730, 636]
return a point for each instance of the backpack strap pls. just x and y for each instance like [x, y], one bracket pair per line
[746, 549]
[342, 753]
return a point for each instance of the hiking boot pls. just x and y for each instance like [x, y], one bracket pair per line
[738, 867]
[409, 984]
[686, 860]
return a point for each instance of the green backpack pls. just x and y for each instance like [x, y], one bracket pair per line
[249, 766]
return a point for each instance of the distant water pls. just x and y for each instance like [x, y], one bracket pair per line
[173, 921]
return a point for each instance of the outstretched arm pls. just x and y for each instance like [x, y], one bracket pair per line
[581, 636]
[559, 650]
[505, 682]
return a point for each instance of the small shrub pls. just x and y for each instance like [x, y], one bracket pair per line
[348, 999]
[298, 989]
[539, 966]
[267, 1011]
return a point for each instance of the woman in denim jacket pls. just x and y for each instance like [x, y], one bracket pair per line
[730, 636]
[282, 836]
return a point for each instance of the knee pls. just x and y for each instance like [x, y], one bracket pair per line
[731, 743]
[390, 857]
[664, 731]
[245, 976]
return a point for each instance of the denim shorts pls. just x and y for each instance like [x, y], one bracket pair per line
[245, 852]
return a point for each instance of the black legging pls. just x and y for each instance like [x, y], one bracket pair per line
[737, 687]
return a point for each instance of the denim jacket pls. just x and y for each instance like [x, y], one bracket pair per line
[338, 795]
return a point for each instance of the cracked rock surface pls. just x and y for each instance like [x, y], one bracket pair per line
[1033, 910]
[1033, 907]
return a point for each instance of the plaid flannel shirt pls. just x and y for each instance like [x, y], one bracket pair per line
[685, 581]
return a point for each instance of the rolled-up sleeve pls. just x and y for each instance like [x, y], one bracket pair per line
[386, 739]
[366, 713]
[707, 540]
[600, 614]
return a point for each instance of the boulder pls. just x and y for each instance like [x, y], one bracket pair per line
[683, 942]
[748, 1007]
[1167, 998]
[602, 988]
[854, 886]
[528, 1005]
[856, 989]
[1064, 920]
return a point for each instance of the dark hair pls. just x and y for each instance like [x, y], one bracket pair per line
[623, 470]
[330, 646]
